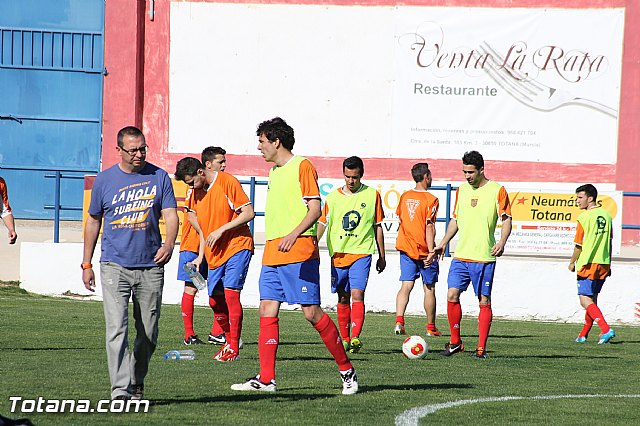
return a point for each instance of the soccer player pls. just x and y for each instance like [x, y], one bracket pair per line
[353, 215]
[290, 265]
[221, 214]
[592, 259]
[213, 157]
[5, 212]
[479, 204]
[417, 211]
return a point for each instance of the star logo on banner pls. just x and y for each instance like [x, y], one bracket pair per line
[521, 200]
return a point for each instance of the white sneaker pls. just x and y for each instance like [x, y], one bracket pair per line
[349, 382]
[254, 384]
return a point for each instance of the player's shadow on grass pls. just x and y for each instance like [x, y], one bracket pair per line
[416, 386]
[318, 343]
[510, 336]
[591, 356]
[306, 358]
[246, 397]
[47, 349]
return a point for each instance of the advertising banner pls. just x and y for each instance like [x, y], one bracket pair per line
[517, 84]
[545, 222]
[514, 84]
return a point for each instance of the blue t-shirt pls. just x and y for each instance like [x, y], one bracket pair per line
[131, 205]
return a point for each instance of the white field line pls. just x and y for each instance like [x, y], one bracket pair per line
[413, 415]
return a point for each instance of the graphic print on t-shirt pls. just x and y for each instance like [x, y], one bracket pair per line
[132, 204]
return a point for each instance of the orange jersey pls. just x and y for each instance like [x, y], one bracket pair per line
[592, 271]
[342, 260]
[416, 209]
[5, 208]
[190, 240]
[306, 247]
[218, 206]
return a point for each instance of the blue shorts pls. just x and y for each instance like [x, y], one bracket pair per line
[186, 257]
[411, 269]
[587, 287]
[232, 273]
[462, 273]
[355, 276]
[294, 283]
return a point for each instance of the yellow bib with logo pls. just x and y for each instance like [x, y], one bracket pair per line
[352, 217]
[596, 244]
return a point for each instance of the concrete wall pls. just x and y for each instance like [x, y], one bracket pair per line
[524, 288]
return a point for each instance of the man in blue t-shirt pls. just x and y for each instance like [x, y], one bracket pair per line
[130, 197]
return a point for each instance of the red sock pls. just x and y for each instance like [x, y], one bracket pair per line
[220, 314]
[215, 327]
[484, 324]
[187, 314]
[268, 340]
[454, 315]
[586, 328]
[595, 313]
[235, 317]
[329, 334]
[344, 320]
[400, 319]
[431, 326]
[357, 318]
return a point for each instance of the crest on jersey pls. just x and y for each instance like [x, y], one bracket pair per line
[412, 205]
[474, 202]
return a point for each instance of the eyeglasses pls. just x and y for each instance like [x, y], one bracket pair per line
[132, 152]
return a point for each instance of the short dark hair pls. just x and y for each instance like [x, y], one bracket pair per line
[277, 128]
[419, 170]
[188, 166]
[129, 131]
[473, 158]
[353, 163]
[210, 153]
[588, 189]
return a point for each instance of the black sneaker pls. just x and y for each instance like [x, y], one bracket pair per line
[138, 391]
[218, 339]
[451, 349]
[192, 340]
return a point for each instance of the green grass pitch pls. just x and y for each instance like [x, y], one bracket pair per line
[54, 348]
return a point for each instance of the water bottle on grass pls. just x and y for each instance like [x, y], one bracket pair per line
[186, 354]
[196, 278]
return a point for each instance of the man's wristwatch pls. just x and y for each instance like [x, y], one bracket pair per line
[86, 266]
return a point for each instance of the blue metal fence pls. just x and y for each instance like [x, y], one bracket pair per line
[630, 194]
[57, 206]
[253, 184]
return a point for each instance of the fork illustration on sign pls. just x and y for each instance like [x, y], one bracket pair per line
[534, 94]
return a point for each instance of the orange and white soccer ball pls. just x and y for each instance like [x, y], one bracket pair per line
[415, 347]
